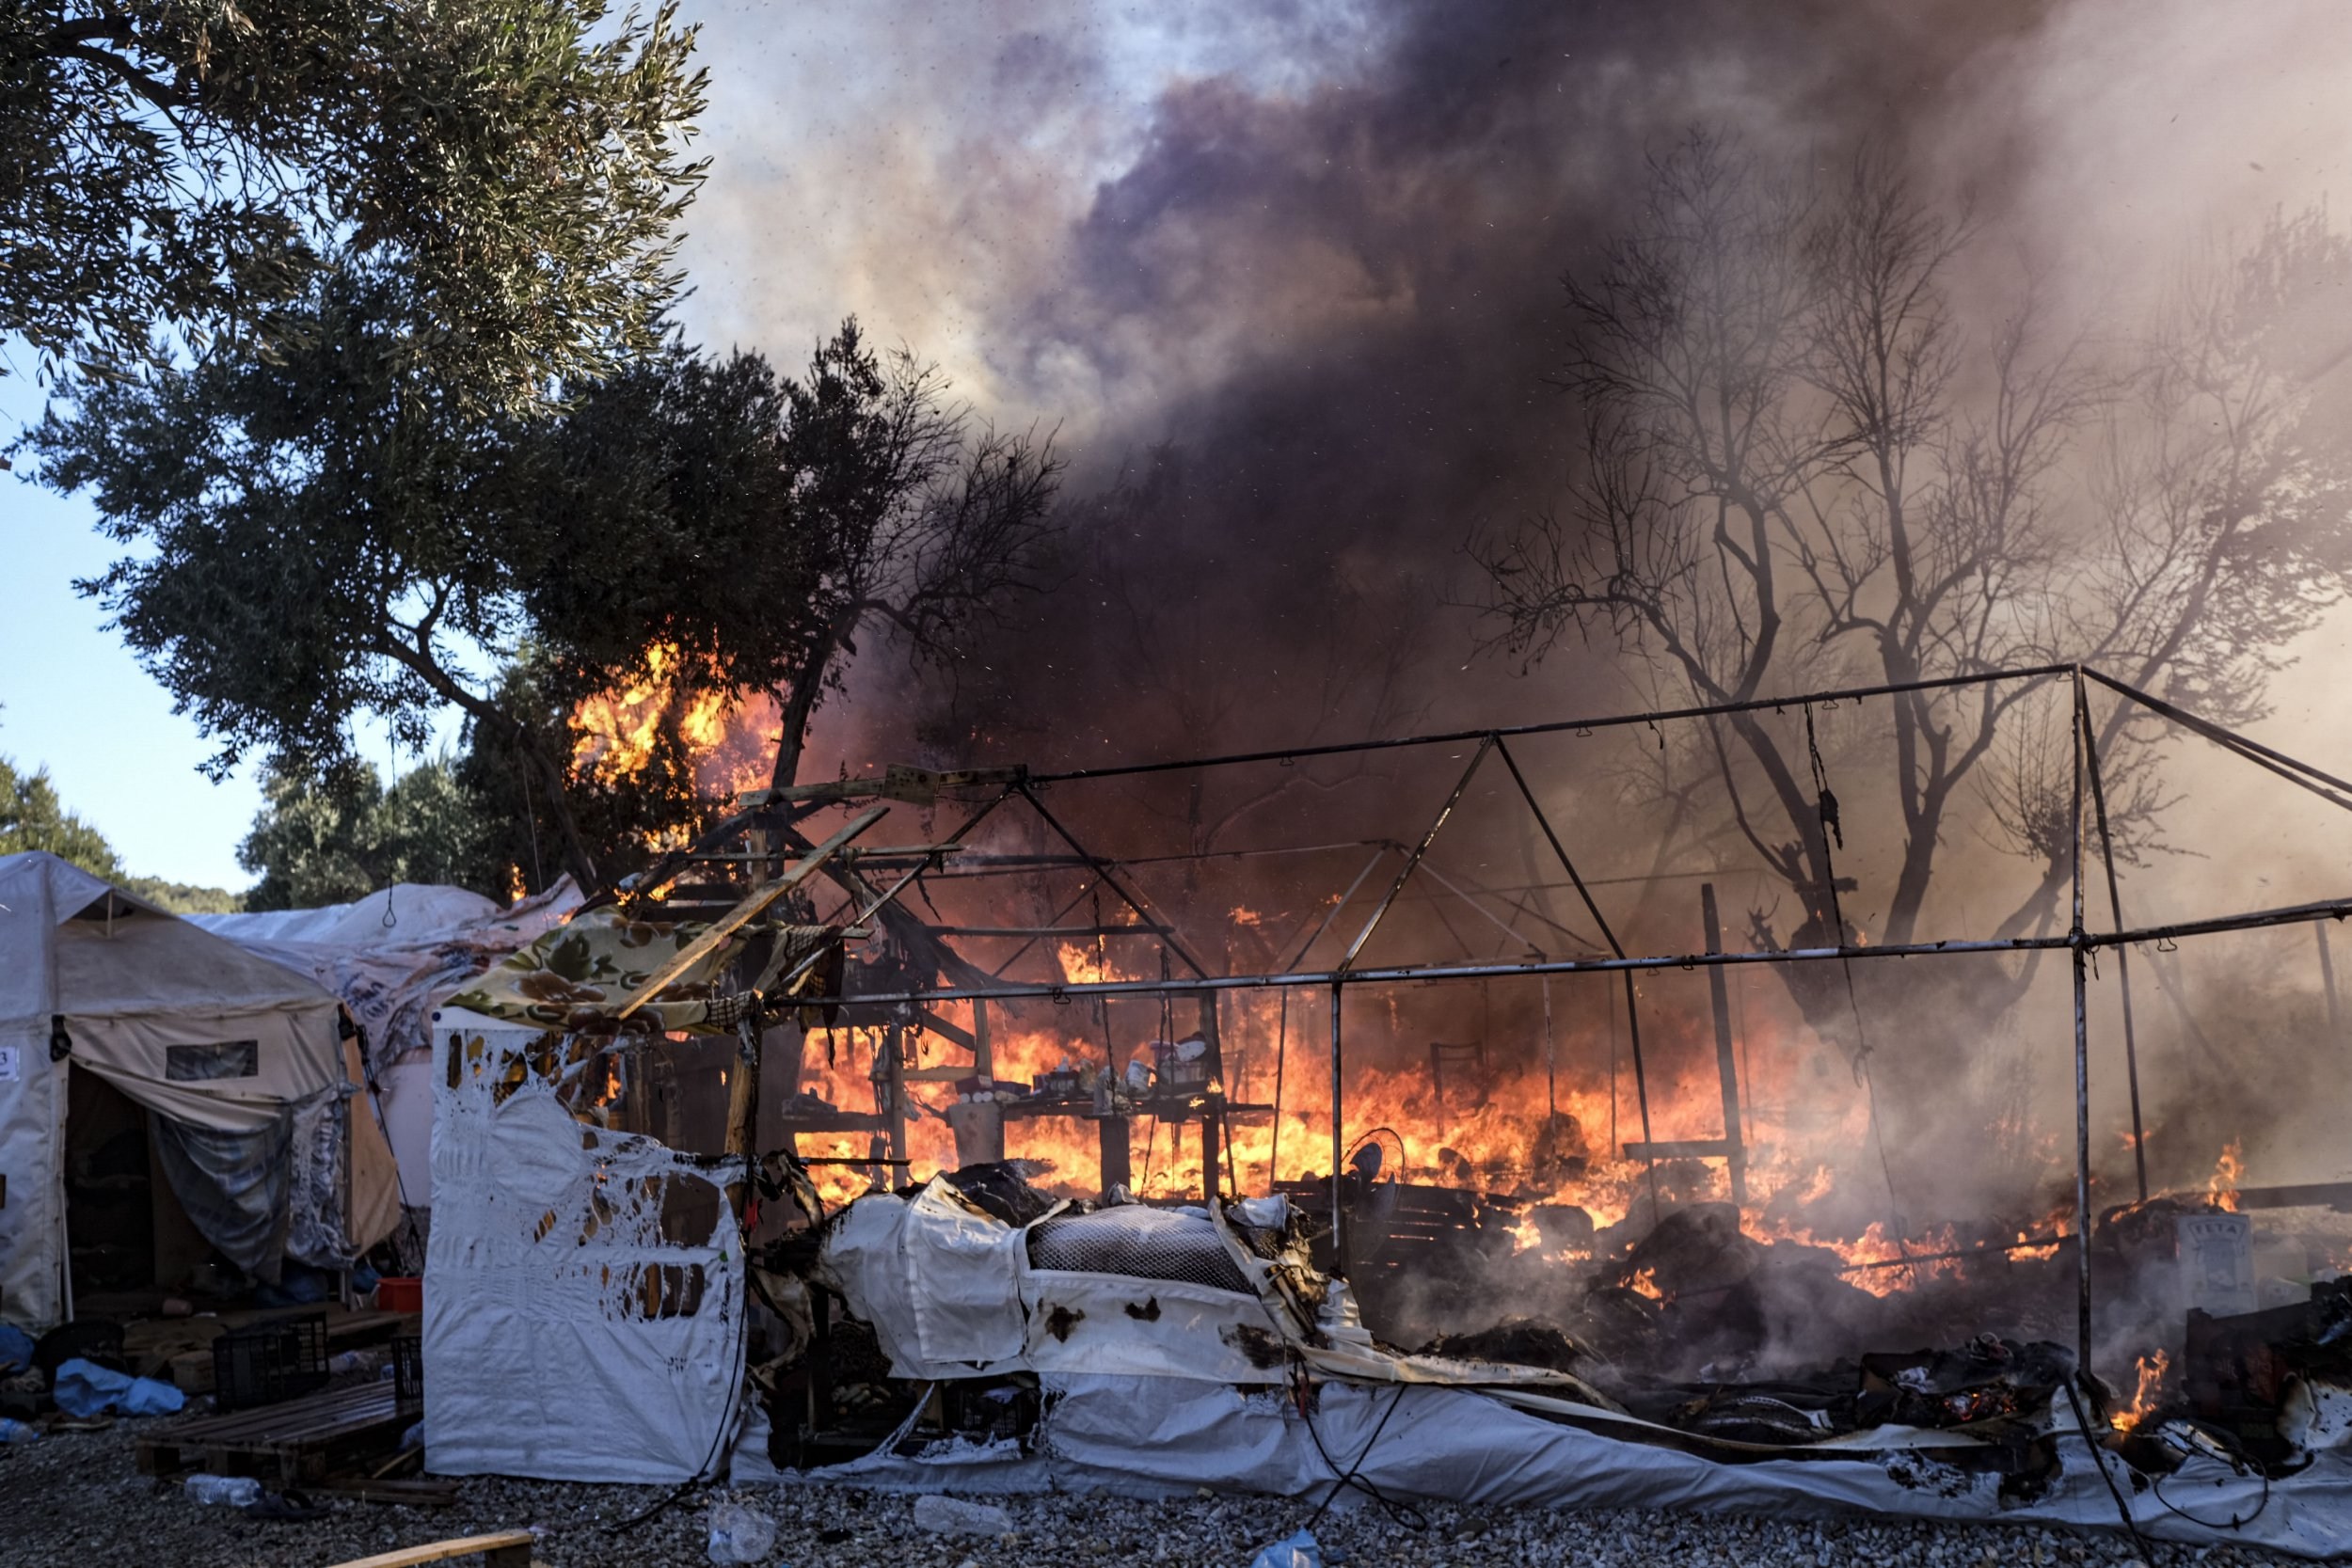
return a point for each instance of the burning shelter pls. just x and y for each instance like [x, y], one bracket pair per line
[162, 1091]
[1037, 1186]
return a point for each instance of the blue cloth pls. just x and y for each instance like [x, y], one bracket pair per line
[16, 1350]
[86, 1388]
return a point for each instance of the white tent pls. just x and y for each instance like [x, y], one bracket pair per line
[394, 957]
[240, 1059]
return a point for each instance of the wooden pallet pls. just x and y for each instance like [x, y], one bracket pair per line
[291, 1444]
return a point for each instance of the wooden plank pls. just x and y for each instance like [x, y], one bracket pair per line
[744, 912]
[501, 1550]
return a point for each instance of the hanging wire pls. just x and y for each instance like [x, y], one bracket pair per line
[531, 822]
[391, 754]
[1826, 804]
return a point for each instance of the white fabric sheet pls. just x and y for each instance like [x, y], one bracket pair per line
[559, 1341]
[1151, 1404]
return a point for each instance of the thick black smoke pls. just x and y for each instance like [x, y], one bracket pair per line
[1287, 280]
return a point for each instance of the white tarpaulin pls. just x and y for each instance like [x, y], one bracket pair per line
[398, 954]
[240, 1057]
[1130, 1409]
[583, 1292]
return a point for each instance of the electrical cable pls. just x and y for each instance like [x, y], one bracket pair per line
[1402, 1513]
[2123, 1509]
[2156, 1485]
[1826, 804]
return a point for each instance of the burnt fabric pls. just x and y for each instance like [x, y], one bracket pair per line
[576, 977]
[1138, 1243]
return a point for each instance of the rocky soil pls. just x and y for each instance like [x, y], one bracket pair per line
[76, 1501]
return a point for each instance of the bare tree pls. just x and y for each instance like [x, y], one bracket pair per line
[1799, 468]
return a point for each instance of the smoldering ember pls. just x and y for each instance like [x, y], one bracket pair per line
[1461, 784]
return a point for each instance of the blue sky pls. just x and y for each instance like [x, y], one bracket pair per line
[72, 698]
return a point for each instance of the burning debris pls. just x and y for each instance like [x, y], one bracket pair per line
[999, 1211]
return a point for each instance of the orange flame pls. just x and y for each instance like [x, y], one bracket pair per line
[2152, 1370]
[2221, 1187]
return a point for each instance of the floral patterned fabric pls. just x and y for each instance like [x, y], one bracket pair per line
[576, 977]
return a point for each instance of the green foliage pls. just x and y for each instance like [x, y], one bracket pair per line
[197, 163]
[341, 836]
[334, 531]
[32, 817]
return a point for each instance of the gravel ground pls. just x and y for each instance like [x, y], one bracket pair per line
[77, 1500]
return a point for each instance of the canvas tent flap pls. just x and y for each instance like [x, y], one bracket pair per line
[234, 1186]
[402, 913]
[1159, 1401]
[1145, 1436]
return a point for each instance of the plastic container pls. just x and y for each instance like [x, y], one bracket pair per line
[2216, 1254]
[222, 1491]
[269, 1362]
[400, 1293]
[408, 1370]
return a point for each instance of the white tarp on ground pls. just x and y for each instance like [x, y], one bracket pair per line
[242, 1057]
[1141, 1412]
[583, 1292]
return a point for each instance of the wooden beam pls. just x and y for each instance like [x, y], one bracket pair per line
[506, 1549]
[748, 910]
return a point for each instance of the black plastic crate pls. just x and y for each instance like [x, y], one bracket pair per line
[408, 1370]
[265, 1363]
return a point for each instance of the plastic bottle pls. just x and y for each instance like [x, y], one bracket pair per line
[1292, 1551]
[946, 1516]
[739, 1534]
[14, 1431]
[232, 1491]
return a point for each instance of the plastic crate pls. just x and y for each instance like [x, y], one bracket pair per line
[408, 1370]
[265, 1363]
[400, 1293]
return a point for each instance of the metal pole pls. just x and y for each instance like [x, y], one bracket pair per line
[2328, 980]
[2082, 1062]
[1564, 726]
[2088, 742]
[1412, 862]
[1551, 1056]
[1282, 1049]
[2295, 770]
[1339, 1145]
[1101, 869]
[2251, 920]
[1736, 1154]
[1632, 1010]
